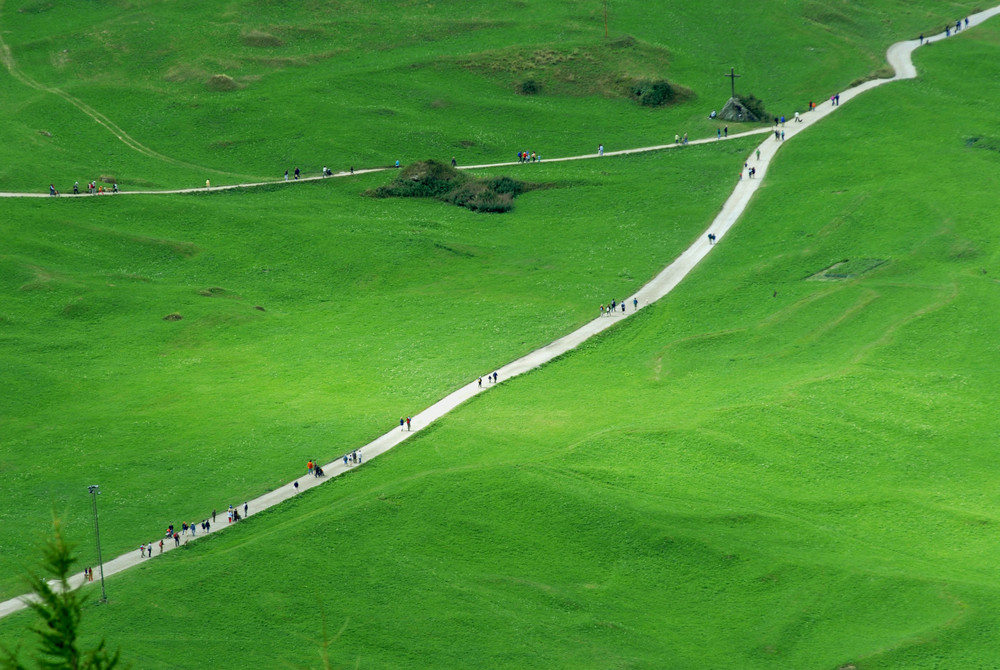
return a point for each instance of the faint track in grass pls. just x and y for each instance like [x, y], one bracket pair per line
[7, 57]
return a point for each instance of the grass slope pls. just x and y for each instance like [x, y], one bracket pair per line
[365, 84]
[373, 309]
[733, 479]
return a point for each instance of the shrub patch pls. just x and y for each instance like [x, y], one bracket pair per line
[432, 179]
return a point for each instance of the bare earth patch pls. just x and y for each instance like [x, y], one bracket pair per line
[222, 83]
[847, 269]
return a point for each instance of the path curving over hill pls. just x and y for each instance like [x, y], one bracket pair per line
[899, 56]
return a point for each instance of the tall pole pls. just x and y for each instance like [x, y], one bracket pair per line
[732, 79]
[94, 490]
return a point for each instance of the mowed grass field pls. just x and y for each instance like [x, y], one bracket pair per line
[242, 91]
[786, 463]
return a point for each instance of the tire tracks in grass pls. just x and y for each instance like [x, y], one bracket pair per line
[791, 391]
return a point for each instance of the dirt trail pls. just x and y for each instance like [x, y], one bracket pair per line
[898, 56]
[8, 61]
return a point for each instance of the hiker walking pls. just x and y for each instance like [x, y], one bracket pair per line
[407, 423]
[600, 149]
[76, 188]
[401, 422]
[635, 304]
[286, 175]
[142, 551]
[296, 173]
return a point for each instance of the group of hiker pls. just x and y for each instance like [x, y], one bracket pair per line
[232, 516]
[611, 308]
[92, 188]
[948, 28]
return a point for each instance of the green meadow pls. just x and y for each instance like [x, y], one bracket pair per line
[300, 336]
[788, 462]
[364, 84]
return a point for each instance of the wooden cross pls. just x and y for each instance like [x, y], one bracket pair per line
[732, 79]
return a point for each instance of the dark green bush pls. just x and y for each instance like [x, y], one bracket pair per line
[529, 87]
[426, 179]
[432, 179]
[652, 93]
[506, 185]
[754, 104]
[488, 201]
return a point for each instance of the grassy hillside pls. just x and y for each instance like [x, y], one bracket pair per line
[783, 464]
[233, 91]
[312, 318]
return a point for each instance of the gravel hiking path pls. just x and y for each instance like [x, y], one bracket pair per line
[898, 57]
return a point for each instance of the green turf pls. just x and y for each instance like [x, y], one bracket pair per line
[365, 84]
[738, 479]
[761, 471]
[372, 309]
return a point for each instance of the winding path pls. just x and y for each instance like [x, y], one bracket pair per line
[899, 57]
